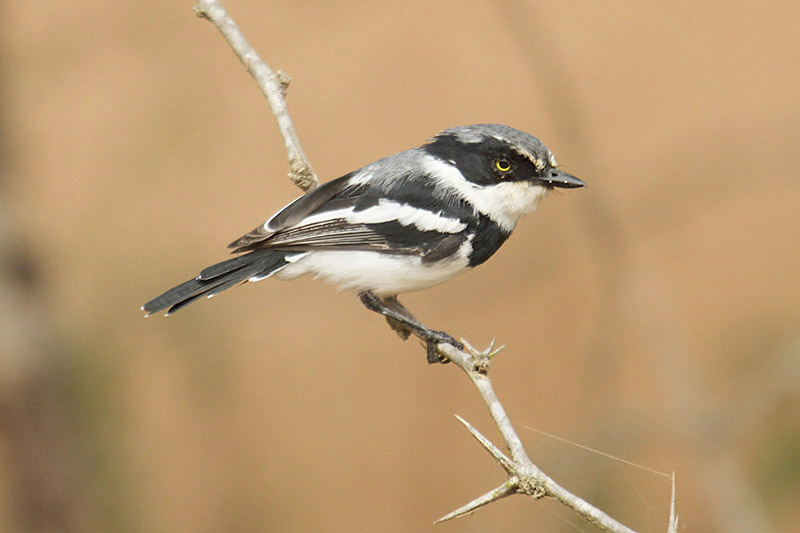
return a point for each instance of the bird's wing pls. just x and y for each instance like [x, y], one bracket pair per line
[347, 215]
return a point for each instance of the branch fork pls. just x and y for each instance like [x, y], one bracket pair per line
[518, 482]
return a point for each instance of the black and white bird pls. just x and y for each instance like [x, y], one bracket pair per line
[401, 224]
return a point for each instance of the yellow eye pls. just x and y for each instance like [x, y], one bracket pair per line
[502, 165]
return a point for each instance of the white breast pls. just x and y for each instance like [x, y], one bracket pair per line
[384, 274]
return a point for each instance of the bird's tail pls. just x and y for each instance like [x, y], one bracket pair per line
[212, 280]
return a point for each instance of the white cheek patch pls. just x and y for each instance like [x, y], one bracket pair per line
[514, 199]
[504, 203]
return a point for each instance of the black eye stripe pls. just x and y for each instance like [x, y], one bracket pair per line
[482, 163]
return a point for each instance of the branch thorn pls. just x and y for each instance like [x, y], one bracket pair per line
[506, 489]
[507, 464]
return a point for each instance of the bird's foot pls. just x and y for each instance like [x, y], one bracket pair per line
[404, 324]
[435, 338]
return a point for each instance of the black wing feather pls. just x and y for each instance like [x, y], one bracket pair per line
[286, 230]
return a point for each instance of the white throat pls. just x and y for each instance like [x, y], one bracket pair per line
[505, 203]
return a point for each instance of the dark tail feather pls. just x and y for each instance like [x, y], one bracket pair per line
[217, 278]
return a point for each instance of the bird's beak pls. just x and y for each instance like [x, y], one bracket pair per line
[560, 179]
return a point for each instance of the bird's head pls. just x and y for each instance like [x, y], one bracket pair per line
[507, 171]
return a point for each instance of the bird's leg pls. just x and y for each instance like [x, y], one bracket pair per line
[404, 323]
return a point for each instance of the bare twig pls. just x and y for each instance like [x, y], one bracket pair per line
[273, 86]
[673, 517]
[524, 477]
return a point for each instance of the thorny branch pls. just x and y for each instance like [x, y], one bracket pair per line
[524, 477]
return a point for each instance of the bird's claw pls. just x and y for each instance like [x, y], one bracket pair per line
[436, 338]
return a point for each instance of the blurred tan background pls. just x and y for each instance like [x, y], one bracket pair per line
[654, 315]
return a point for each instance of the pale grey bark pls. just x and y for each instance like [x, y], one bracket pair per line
[271, 84]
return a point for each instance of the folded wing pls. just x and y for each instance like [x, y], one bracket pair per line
[343, 215]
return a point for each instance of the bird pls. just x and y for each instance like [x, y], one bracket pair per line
[403, 223]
